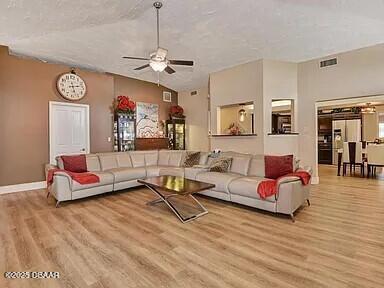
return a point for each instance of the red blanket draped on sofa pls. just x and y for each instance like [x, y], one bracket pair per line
[81, 178]
[270, 187]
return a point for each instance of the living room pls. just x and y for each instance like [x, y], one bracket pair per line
[158, 144]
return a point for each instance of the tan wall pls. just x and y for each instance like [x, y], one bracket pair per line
[26, 87]
[357, 73]
[196, 112]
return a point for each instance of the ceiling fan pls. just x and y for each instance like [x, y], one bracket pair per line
[158, 60]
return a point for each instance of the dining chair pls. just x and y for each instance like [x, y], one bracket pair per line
[352, 156]
[375, 155]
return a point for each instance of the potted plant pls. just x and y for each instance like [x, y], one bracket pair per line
[123, 105]
[176, 111]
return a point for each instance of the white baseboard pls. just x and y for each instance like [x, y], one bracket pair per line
[315, 180]
[22, 187]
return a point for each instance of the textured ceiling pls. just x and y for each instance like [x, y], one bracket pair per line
[216, 34]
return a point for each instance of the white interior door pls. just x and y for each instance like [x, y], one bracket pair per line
[68, 129]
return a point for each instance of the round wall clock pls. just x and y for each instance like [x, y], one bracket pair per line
[71, 86]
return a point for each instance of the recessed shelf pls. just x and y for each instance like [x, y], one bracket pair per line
[228, 135]
[282, 134]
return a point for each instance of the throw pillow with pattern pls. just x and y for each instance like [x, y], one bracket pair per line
[221, 165]
[191, 159]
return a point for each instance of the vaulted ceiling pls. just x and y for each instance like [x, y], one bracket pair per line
[215, 34]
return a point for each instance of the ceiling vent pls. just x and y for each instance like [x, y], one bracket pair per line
[328, 62]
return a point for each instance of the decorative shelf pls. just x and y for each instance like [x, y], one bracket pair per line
[240, 135]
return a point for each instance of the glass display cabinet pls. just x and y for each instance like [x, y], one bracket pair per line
[124, 130]
[175, 130]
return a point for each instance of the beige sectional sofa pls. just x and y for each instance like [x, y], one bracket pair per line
[120, 170]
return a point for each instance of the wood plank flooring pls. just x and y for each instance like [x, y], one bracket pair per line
[117, 241]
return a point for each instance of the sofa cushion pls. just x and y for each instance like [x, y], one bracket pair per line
[137, 158]
[221, 165]
[123, 159]
[163, 157]
[93, 162]
[257, 166]
[277, 166]
[191, 158]
[191, 172]
[152, 171]
[105, 179]
[127, 174]
[175, 158]
[151, 157]
[220, 180]
[203, 158]
[247, 187]
[240, 162]
[74, 163]
[107, 161]
[171, 171]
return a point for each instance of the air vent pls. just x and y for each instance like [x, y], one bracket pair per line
[328, 62]
[193, 93]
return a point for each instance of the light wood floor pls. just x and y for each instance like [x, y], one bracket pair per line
[117, 241]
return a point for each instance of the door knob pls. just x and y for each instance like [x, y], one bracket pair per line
[83, 149]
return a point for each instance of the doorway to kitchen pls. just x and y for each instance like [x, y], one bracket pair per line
[345, 129]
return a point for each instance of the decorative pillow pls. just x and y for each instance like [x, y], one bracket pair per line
[192, 158]
[277, 166]
[75, 163]
[221, 165]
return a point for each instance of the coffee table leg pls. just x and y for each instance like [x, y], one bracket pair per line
[164, 199]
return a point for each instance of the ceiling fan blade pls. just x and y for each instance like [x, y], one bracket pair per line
[169, 70]
[135, 58]
[142, 67]
[181, 62]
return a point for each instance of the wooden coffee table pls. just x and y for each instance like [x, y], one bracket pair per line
[177, 187]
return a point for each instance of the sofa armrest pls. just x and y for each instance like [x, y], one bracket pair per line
[291, 195]
[49, 167]
[306, 169]
[61, 186]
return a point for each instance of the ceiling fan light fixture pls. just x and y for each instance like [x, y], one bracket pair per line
[158, 66]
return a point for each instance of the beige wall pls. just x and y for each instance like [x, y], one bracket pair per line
[239, 84]
[358, 73]
[259, 81]
[196, 112]
[27, 86]
[279, 82]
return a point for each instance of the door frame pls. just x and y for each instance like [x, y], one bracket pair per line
[52, 159]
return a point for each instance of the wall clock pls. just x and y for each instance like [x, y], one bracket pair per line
[71, 86]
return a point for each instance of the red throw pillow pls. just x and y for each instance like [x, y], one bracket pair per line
[277, 166]
[75, 163]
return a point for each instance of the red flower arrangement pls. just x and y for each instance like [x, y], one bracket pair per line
[176, 111]
[124, 105]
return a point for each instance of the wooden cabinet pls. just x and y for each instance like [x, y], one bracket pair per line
[175, 131]
[151, 143]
